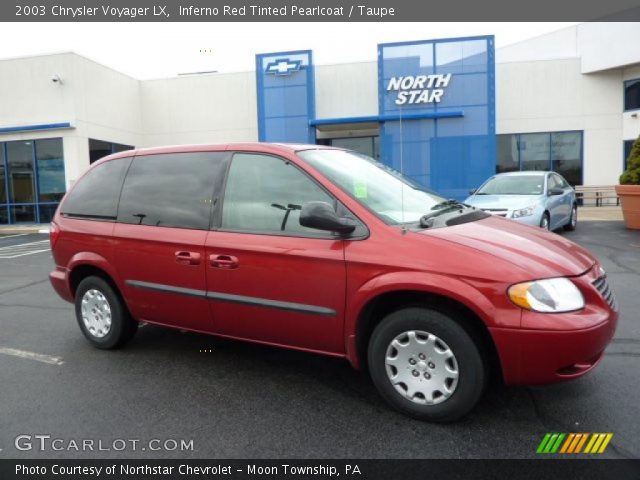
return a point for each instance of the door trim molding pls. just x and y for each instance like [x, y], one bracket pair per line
[227, 297]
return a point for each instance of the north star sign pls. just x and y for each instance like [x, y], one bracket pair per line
[413, 90]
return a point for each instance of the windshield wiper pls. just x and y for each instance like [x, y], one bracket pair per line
[441, 208]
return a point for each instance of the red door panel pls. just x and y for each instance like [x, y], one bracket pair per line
[163, 271]
[277, 289]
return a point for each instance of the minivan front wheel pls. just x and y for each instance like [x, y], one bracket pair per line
[101, 314]
[426, 365]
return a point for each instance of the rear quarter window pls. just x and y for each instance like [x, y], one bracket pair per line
[171, 190]
[95, 196]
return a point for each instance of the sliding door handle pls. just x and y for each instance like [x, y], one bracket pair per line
[188, 258]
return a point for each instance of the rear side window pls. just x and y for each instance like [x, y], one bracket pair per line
[171, 190]
[264, 194]
[96, 194]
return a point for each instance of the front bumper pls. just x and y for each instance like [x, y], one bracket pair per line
[531, 357]
[59, 279]
[551, 348]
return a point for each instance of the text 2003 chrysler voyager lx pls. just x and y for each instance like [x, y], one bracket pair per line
[327, 251]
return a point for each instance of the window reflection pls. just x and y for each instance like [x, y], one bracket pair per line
[557, 151]
[21, 174]
[32, 180]
[51, 185]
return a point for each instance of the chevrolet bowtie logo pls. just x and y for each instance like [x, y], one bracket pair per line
[283, 66]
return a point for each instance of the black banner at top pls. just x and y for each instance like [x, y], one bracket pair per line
[316, 10]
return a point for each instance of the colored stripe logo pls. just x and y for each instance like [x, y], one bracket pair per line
[574, 443]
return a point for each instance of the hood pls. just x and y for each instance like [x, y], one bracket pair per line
[510, 202]
[541, 254]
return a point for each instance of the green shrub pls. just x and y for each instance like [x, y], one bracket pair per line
[631, 176]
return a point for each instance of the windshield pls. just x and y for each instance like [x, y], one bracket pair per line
[513, 185]
[394, 197]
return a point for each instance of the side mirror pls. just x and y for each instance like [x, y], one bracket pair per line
[322, 216]
[556, 191]
[472, 191]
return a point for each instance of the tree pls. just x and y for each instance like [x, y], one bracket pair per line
[631, 176]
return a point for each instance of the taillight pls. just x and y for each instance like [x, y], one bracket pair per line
[54, 233]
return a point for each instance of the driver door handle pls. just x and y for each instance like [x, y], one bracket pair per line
[228, 262]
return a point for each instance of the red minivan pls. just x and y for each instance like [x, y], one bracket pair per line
[327, 251]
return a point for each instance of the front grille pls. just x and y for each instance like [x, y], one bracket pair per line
[496, 211]
[603, 287]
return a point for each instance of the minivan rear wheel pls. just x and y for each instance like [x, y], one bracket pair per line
[426, 365]
[101, 314]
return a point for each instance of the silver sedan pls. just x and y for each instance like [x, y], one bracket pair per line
[543, 199]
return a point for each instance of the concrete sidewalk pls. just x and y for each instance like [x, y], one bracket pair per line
[606, 213]
[23, 229]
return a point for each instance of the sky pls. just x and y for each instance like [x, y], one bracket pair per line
[158, 50]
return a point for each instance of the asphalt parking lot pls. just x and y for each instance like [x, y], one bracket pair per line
[238, 400]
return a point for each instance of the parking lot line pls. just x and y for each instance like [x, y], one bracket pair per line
[38, 357]
[15, 251]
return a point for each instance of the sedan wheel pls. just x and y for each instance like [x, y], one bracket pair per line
[544, 222]
[573, 221]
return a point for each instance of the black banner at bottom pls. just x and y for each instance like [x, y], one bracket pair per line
[318, 469]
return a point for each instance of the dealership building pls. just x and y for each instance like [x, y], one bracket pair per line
[447, 112]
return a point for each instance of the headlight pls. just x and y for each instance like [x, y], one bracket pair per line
[523, 212]
[553, 295]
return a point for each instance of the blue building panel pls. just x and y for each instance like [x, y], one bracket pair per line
[286, 96]
[438, 77]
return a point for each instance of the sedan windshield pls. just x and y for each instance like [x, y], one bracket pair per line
[392, 196]
[513, 185]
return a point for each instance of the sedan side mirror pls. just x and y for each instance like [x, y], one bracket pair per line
[472, 191]
[322, 216]
[556, 191]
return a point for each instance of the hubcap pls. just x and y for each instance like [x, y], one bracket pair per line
[545, 223]
[422, 367]
[96, 313]
[574, 217]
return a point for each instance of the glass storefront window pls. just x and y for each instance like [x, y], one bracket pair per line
[632, 94]
[507, 150]
[534, 151]
[3, 178]
[22, 213]
[51, 186]
[100, 148]
[557, 151]
[32, 180]
[21, 173]
[566, 155]
[362, 145]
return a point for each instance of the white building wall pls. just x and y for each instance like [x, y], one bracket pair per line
[99, 102]
[553, 95]
[348, 90]
[604, 46]
[213, 108]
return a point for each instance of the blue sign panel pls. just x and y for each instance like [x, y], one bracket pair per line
[286, 97]
[439, 97]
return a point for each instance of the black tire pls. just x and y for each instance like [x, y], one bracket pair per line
[472, 368]
[122, 328]
[571, 226]
[547, 218]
